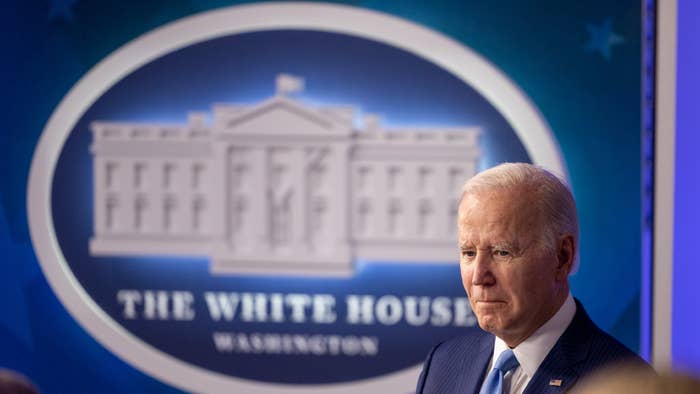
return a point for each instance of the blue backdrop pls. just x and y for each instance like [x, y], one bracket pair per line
[579, 63]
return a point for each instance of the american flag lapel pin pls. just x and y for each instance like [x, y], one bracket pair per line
[555, 382]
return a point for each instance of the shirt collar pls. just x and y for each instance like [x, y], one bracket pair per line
[532, 351]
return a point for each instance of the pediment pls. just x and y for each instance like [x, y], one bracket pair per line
[283, 117]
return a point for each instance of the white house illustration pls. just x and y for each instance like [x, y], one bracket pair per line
[280, 187]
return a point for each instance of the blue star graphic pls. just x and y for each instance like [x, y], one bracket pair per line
[62, 9]
[602, 38]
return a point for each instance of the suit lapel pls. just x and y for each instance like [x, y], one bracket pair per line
[558, 371]
[555, 375]
[475, 365]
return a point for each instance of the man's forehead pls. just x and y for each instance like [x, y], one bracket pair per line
[495, 215]
[494, 203]
[491, 233]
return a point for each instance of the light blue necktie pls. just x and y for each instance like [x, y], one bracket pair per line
[494, 381]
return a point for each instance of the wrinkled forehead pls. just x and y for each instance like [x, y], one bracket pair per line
[504, 201]
[497, 215]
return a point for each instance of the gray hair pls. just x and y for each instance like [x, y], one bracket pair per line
[550, 195]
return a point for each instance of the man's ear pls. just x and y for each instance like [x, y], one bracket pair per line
[565, 256]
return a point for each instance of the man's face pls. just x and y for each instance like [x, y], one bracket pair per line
[514, 283]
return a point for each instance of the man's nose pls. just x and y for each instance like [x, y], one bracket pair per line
[482, 274]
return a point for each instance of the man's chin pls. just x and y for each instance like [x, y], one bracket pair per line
[488, 325]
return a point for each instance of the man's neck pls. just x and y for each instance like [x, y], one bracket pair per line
[514, 341]
[532, 351]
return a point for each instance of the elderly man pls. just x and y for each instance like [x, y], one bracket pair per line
[518, 238]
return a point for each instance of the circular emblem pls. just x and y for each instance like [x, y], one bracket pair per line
[261, 198]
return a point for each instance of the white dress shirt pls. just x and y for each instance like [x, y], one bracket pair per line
[532, 351]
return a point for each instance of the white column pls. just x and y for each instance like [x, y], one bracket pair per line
[125, 218]
[99, 200]
[339, 199]
[259, 200]
[300, 204]
[379, 200]
[218, 192]
[408, 192]
[440, 210]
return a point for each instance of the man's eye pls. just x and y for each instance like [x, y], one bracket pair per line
[502, 253]
[468, 253]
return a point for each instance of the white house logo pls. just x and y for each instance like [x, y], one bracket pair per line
[226, 236]
[279, 187]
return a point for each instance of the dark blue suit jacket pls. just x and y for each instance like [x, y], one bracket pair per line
[459, 364]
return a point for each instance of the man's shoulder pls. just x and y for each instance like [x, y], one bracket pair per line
[582, 349]
[457, 364]
[470, 340]
[606, 349]
[463, 349]
[602, 348]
